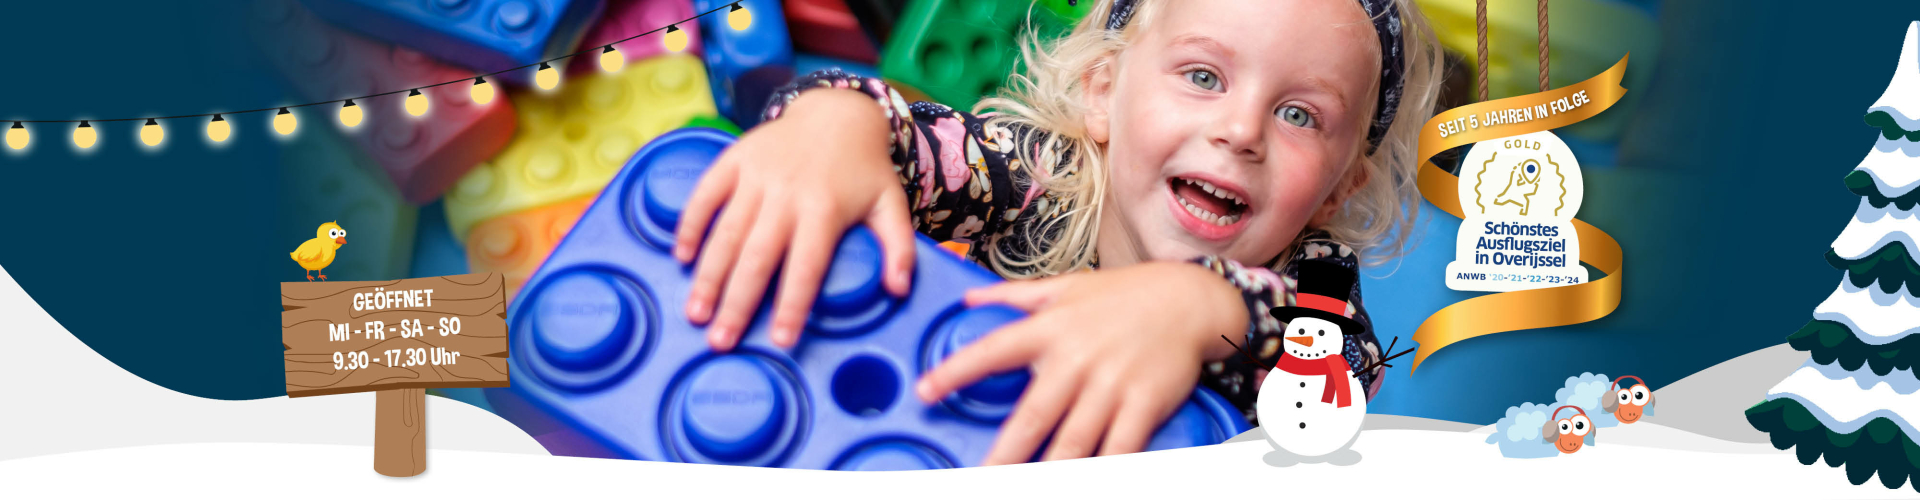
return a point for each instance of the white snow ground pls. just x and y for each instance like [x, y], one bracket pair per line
[98, 405]
[121, 435]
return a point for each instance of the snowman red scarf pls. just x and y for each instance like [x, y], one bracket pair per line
[1334, 368]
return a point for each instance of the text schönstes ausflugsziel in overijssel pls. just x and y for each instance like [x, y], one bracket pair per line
[1521, 245]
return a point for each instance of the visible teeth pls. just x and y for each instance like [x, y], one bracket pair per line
[1210, 217]
[1215, 190]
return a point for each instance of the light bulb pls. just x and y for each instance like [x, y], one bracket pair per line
[350, 114]
[416, 103]
[611, 60]
[84, 135]
[218, 129]
[17, 136]
[482, 92]
[285, 122]
[675, 39]
[547, 78]
[739, 17]
[151, 134]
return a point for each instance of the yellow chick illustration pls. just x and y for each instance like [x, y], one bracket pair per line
[316, 254]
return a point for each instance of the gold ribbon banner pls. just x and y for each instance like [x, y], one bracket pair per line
[1524, 309]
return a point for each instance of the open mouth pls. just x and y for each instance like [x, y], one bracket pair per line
[1208, 202]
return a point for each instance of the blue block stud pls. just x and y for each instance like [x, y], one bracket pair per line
[605, 364]
[480, 35]
[745, 66]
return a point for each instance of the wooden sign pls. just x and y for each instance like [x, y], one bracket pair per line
[397, 337]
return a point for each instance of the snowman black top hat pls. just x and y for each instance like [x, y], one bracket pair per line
[1324, 288]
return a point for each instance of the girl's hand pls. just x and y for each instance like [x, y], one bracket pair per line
[791, 188]
[1114, 352]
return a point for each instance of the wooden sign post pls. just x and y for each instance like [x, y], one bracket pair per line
[399, 338]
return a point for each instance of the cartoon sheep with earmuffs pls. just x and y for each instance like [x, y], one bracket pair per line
[1587, 402]
[1627, 404]
[1569, 434]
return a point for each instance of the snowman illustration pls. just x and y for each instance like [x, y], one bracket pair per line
[1310, 405]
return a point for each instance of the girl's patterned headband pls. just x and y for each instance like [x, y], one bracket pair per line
[1386, 22]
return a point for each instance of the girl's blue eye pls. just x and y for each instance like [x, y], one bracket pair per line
[1296, 116]
[1204, 79]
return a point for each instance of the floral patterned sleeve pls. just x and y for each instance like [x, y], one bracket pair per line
[965, 183]
[1262, 289]
[955, 171]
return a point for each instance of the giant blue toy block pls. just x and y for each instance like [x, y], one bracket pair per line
[605, 364]
[745, 66]
[481, 35]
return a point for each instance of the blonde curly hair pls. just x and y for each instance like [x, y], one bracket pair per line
[1071, 168]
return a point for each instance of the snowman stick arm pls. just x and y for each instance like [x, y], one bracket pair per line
[1383, 362]
[1244, 352]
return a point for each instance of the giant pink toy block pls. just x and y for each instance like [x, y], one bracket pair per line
[626, 18]
[828, 28]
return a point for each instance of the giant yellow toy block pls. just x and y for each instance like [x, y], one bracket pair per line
[573, 139]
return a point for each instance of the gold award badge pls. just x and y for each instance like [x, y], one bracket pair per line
[1520, 194]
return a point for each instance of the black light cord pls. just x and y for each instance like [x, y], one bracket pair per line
[597, 48]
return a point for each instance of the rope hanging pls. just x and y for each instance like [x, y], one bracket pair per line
[1540, 9]
[1480, 26]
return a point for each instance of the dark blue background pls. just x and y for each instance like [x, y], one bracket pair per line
[157, 259]
[1726, 194]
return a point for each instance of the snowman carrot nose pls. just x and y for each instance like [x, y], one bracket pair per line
[1305, 341]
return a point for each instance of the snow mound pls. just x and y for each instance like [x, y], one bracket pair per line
[1712, 402]
[118, 409]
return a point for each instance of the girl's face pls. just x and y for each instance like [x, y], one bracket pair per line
[1231, 125]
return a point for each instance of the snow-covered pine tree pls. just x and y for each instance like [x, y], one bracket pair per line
[1856, 401]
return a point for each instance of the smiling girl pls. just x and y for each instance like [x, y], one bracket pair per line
[1193, 152]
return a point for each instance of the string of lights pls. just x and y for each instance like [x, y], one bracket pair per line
[285, 122]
